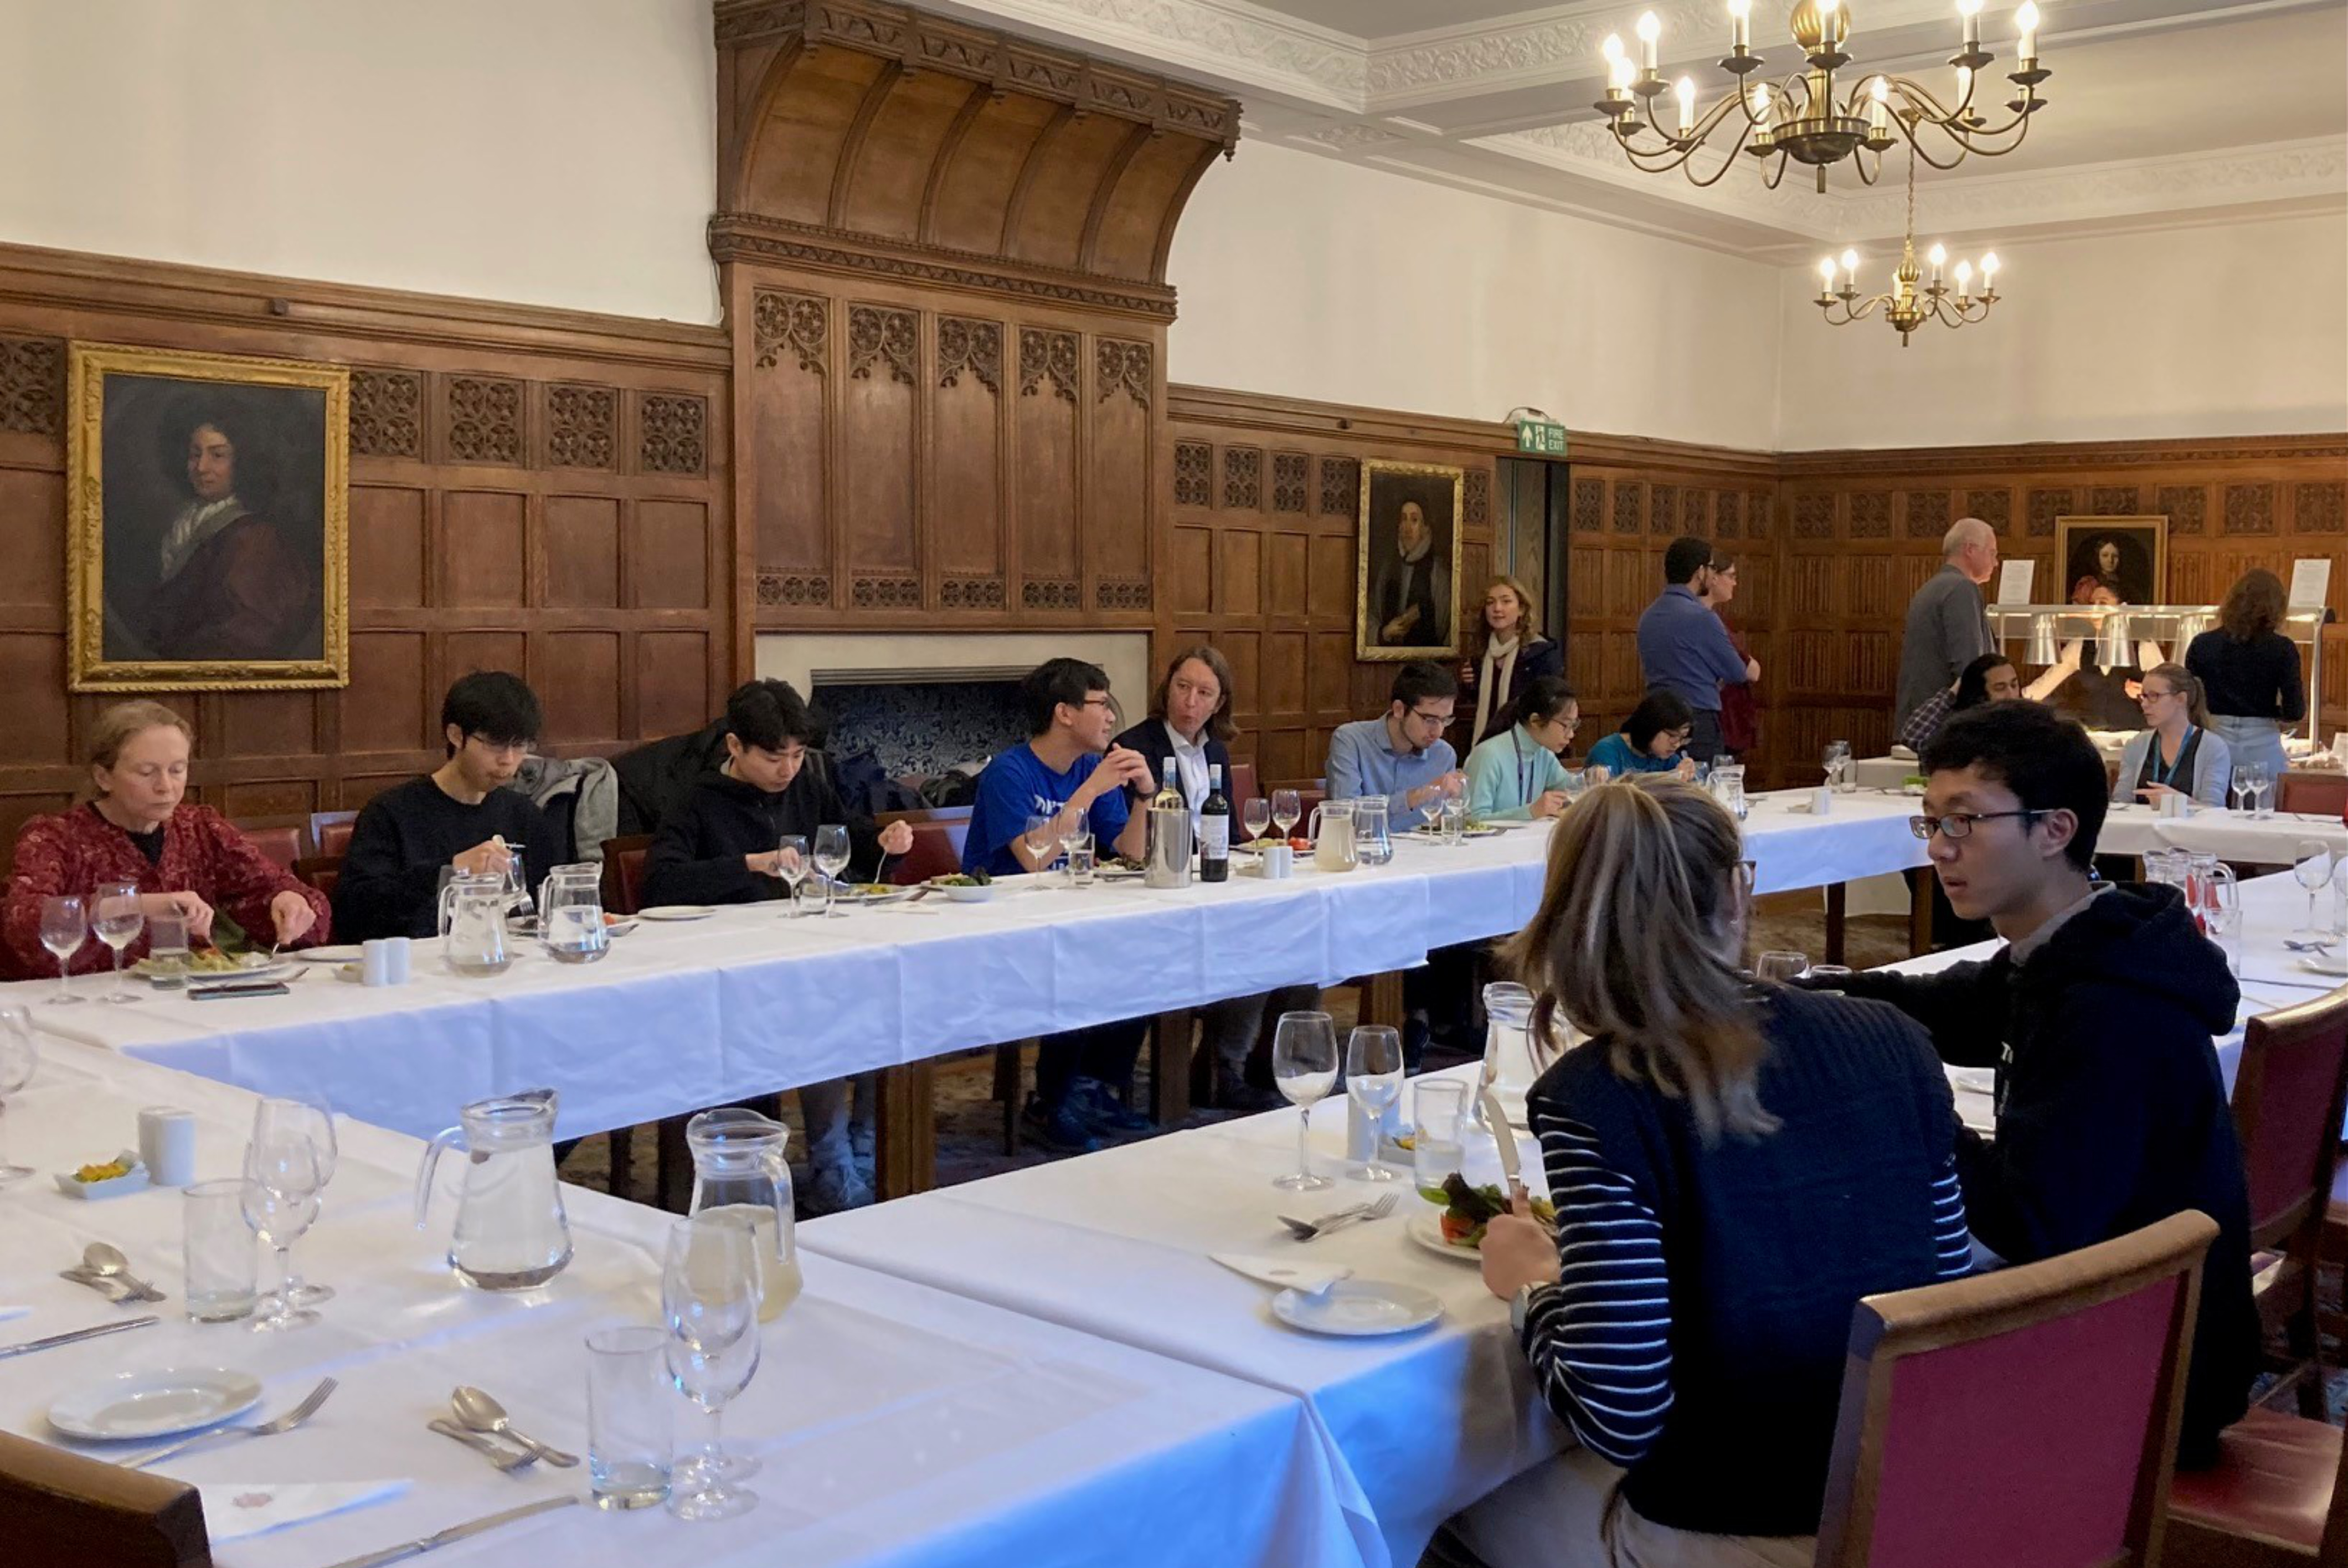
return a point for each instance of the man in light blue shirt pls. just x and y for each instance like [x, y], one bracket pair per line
[1400, 754]
[1683, 649]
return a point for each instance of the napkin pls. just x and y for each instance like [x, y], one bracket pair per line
[1281, 1273]
[235, 1510]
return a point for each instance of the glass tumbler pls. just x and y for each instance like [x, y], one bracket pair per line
[631, 1410]
[219, 1252]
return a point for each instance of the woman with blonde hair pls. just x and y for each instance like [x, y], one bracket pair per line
[136, 826]
[1734, 1166]
[2175, 753]
[2249, 674]
[1505, 653]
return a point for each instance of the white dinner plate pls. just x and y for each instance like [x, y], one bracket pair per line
[2333, 965]
[676, 912]
[340, 953]
[1425, 1228]
[1358, 1308]
[157, 1404]
[285, 969]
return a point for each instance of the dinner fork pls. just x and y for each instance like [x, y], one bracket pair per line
[1306, 1230]
[284, 1423]
[496, 1453]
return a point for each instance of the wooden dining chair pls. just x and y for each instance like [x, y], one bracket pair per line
[2316, 793]
[2277, 1498]
[322, 872]
[2026, 1418]
[624, 872]
[1243, 783]
[60, 1510]
[330, 832]
[2291, 1091]
[281, 838]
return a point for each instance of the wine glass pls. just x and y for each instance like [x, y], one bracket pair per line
[1304, 1065]
[314, 1119]
[1043, 836]
[1287, 811]
[18, 1057]
[1776, 969]
[1838, 757]
[1255, 815]
[281, 1200]
[791, 866]
[710, 1292]
[2310, 864]
[2238, 790]
[1374, 1079]
[118, 924]
[65, 923]
[831, 859]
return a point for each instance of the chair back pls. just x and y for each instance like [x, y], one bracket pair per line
[280, 841]
[2026, 1418]
[68, 1508]
[2318, 794]
[2289, 1095]
[1243, 783]
[322, 872]
[936, 851]
[330, 832]
[624, 872]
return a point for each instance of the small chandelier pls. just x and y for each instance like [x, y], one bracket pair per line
[1909, 306]
[1798, 118]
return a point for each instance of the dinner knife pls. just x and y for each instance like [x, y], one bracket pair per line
[454, 1532]
[77, 1334]
[1504, 1137]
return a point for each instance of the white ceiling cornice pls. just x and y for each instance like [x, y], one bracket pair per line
[1225, 40]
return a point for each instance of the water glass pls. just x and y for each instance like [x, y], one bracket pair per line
[710, 1296]
[1373, 1082]
[166, 950]
[2263, 783]
[631, 1406]
[118, 920]
[1080, 867]
[2311, 866]
[831, 859]
[1455, 820]
[791, 866]
[217, 1250]
[1304, 1066]
[1256, 816]
[1287, 811]
[1436, 1150]
[65, 924]
[1776, 969]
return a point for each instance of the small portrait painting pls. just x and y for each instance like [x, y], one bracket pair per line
[2114, 560]
[1409, 561]
[209, 520]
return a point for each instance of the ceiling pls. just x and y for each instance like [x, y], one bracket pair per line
[2158, 112]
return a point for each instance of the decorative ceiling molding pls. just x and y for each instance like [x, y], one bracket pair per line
[1227, 39]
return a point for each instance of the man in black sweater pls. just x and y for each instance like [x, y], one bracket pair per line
[2097, 1017]
[720, 847]
[460, 817]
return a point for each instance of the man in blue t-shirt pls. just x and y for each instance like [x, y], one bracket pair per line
[1060, 772]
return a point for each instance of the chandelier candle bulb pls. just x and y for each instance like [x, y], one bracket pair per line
[1740, 26]
[1964, 280]
[1826, 279]
[1687, 104]
[1969, 11]
[1879, 105]
[1939, 256]
[2025, 20]
[1650, 30]
[1989, 273]
[1850, 265]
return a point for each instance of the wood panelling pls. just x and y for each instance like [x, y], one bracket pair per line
[535, 490]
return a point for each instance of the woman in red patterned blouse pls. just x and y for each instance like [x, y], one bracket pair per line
[186, 859]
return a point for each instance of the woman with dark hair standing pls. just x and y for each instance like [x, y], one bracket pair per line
[1734, 1166]
[1506, 652]
[2249, 674]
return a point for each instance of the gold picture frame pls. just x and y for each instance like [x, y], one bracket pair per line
[206, 521]
[1392, 599]
[2137, 571]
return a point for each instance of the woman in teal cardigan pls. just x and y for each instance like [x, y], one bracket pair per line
[1515, 776]
[1651, 740]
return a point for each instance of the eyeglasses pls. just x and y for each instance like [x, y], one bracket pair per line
[2147, 695]
[1437, 720]
[1098, 702]
[1958, 825]
[501, 748]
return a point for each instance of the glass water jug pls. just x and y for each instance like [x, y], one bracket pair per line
[473, 924]
[571, 914]
[1508, 1071]
[511, 1233]
[740, 1168]
[1372, 840]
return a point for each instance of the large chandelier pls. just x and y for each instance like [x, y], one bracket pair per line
[1799, 118]
[1911, 301]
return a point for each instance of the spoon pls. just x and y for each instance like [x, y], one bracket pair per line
[484, 1414]
[108, 1263]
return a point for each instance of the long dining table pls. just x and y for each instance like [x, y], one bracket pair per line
[752, 1000]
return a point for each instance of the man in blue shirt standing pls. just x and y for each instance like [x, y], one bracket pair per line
[1060, 771]
[1683, 649]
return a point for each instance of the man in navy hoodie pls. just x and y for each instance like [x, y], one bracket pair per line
[721, 845]
[2097, 1015]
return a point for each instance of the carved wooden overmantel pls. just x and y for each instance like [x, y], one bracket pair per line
[942, 252]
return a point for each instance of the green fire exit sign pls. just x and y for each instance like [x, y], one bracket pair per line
[1540, 439]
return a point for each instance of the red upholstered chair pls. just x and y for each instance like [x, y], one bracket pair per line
[1243, 784]
[279, 837]
[2318, 793]
[330, 832]
[2289, 1097]
[2278, 1496]
[322, 872]
[624, 872]
[2025, 1418]
[936, 851]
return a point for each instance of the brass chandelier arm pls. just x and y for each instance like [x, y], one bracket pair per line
[1679, 151]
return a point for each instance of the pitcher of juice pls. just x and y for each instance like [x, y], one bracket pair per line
[740, 1169]
[1330, 828]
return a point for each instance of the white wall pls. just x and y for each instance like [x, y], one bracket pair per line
[2236, 329]
[1306, 277]
[556, 152]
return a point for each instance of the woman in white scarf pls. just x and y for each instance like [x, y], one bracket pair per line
[1505, 652]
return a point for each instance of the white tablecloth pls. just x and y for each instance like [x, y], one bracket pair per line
[898, 1424]
[750, 1000]
[2270, 840]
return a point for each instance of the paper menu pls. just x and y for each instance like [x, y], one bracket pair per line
[2014, 582]
[2311, 582]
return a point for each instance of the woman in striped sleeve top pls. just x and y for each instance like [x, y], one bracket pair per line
[1734, 1166]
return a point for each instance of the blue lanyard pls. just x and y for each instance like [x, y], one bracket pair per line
[2161, 775]
[1524, 768]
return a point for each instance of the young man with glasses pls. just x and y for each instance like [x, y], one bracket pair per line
[459, 818]
[2097, 1017]
[1069, 770]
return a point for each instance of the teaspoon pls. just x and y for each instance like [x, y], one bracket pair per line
[108, 1263]
[484, 1414]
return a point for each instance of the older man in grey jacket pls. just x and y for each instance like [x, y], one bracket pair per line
[1948, 625]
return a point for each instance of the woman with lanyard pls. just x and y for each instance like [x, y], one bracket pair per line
[1516, 776]
[2175, 754]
